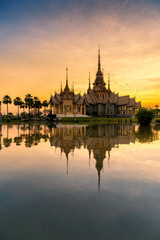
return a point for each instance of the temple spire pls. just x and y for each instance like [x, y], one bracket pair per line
[66, 87]
[89, 82]
[108, 81]
[99, 60]
[67, 77]
[61, 86]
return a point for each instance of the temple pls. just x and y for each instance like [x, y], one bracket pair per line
[98, 101]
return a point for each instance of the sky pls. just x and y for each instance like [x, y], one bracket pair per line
[40, 38]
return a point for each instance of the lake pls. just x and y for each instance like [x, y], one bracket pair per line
[80, 182]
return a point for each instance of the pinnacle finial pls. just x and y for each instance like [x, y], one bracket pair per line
[89, 81]
[108, 81]
[67, 77]
[99, 60]
[61, 86]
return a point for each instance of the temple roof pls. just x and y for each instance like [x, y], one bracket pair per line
[123, 100]
[99, 81]
[137, 105]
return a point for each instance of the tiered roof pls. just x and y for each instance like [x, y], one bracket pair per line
[91, 97]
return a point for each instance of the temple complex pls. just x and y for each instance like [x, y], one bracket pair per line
[98, 101]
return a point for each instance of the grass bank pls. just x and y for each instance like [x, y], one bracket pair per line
[90, 120]
[97, 120]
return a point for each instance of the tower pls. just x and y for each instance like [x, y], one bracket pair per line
[89, 84]
[108, 81]
[66, 89]
[99, 83]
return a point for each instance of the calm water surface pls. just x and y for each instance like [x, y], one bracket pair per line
[79, 182]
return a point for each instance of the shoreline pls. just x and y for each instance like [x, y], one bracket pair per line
[75, 120]
[90, 120]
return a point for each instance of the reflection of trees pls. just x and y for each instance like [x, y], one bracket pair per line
[18, 141]
[146, 134]
[7, 142]
[30, 134]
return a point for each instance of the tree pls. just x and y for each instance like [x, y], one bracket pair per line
[17, 102]
[22, 105]
[45, 104]
[7, 100]
[37, 104]
[157, 110]
[145, 116]
[29, 101]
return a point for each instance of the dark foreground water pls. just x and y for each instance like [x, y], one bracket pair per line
[79, 182]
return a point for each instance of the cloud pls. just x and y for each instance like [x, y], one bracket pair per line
[43, 39]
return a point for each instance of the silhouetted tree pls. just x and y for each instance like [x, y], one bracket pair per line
[17, 102]
[29, 101]
[37, 104]
[45, 104]
[7, 100]
[22, 105]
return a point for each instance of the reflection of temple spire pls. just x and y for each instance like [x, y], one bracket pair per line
[67, 165]
[99, 167]
[99, 181]
[89, 157]
[67, 168]
[108, 158]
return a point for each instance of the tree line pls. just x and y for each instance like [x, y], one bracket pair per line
[29, 103]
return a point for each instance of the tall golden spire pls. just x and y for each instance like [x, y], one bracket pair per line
[67, 77]
[108, 81]
[99, 59]
[89, 82]
[66, 87]
[61, 87]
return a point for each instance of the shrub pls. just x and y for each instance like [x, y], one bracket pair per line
[145, 116]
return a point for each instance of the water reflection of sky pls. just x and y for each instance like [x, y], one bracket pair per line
[45, 196]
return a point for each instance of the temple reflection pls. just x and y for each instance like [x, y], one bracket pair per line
[98, 140]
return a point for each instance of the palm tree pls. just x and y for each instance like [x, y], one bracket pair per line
[22, 105]
[45, 104]
[17, 102]
[7, 100]
[37, 104]
[29, 101]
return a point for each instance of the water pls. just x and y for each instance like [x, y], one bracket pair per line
[79, 182]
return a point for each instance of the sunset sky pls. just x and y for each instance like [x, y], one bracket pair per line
[40, 38]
